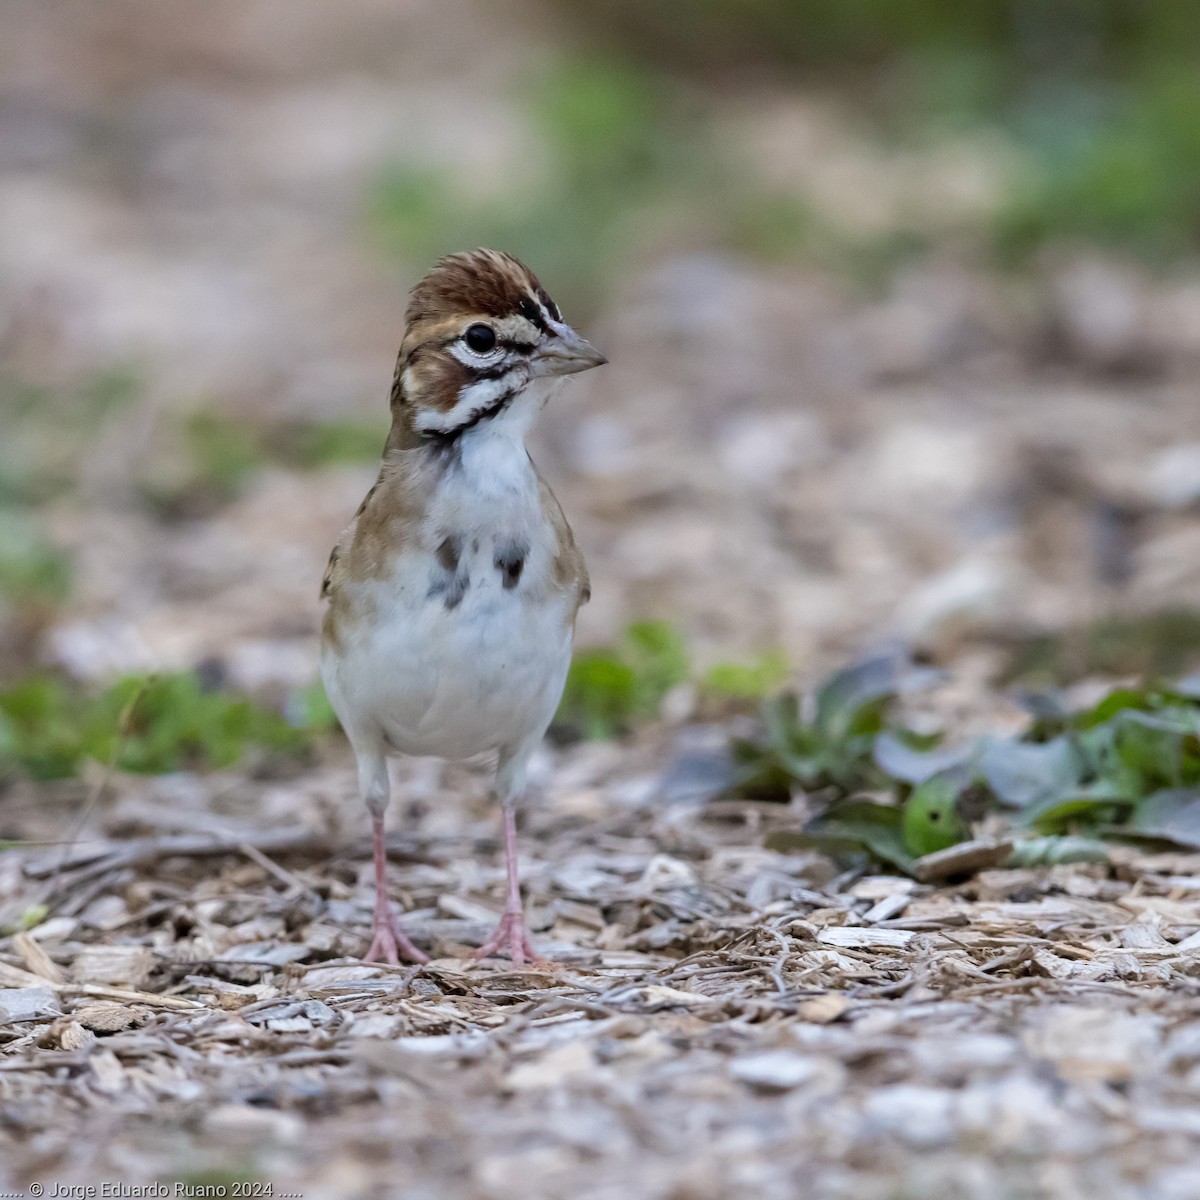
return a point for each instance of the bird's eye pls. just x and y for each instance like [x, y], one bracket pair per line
[480, 338]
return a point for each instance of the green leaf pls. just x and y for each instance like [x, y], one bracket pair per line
[747, 681]
[599, 696]
[1122, 700]
[165, 723]
[1023, 774]
[1056, 851]
[854, 827]
[33, 572]
[898, 758]
[607, 690]
[1094, 805]
[1172, 814]
[850, 700]
[759, 776]
[1169, 719]
[781, 717]
[931, 818]
[659, 658]
[1147, 759]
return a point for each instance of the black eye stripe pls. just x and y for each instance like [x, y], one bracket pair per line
[487, 373]
[551, 307]
[528, 308]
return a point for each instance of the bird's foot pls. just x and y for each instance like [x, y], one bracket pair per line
[511, 935]
[389, 942]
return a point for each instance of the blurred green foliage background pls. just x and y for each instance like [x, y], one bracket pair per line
[1099, 101]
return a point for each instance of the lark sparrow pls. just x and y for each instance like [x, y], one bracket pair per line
[452, 594]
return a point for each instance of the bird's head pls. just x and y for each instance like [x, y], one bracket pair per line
[481, 334]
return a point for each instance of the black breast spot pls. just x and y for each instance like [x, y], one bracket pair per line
[448, 582]
[447, 554]
[510, 562]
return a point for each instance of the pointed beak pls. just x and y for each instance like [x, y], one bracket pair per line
[566, 353]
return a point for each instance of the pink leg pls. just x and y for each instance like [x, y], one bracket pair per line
[511, 933]
[388, 941]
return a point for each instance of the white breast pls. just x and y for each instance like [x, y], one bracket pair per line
[455, 663]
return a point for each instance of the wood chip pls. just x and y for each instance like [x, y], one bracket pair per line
[27, 1003]
[823, 1009]
[964, 859]
[69, 1034]
[852, 937]
[657, 995]
[106, 1018]
[18, 977]
[887, 907]
[36, 959]
[125, 965]
[775, 1070]
[109, 1074]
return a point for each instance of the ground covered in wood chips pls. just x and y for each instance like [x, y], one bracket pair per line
[721, 1021]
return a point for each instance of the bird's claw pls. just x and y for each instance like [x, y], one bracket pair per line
[510, 934]
[389, 942]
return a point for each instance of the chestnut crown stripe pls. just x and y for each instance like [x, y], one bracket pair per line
[485, 282]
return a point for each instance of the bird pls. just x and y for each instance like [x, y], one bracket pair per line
[451, 597]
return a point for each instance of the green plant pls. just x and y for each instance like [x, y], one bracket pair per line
[607, 690]
[40, 729]
[32, 570]
[932, 818]
[312, 444]
[209, 462]
[1130, 177]
[746, 681]
[48, 727]
[45, 431]
[1100, 100]
[48, 428]
[832, 748]
[1127, 767]
[310, 709]
[217, 455]
[1149, 645]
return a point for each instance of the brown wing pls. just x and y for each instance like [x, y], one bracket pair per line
[385, 521]
[569, 571]
[345, 542]
[330, 568]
